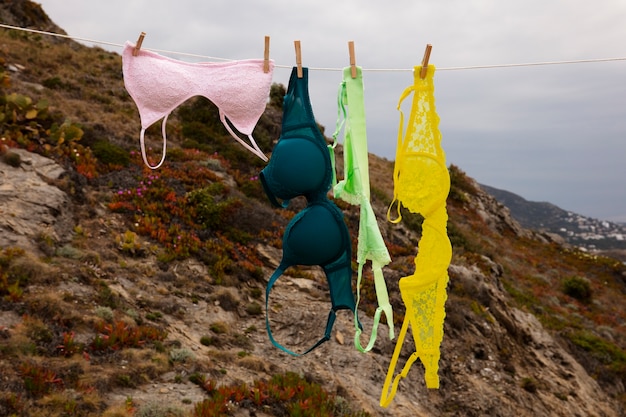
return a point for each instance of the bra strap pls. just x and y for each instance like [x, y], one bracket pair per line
[399, 157]
[386, 396]
[254, 148]
[329, 327]
[143, 145]
[341, 119]
[329, 324]
[383, 307]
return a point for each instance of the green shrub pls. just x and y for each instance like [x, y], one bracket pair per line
[105, 313]
[53, 83]
[128, 242]
[604, 351]
[70, 252]
[207, 340]
[411, 220]
[254, 309]
[219, 327]
[110, 154]
[106, 297]
[578, 288]
[212, 205]
[180, 355]
[459, 181]
[529, 384]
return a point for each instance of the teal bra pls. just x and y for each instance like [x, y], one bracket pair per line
[300, 165]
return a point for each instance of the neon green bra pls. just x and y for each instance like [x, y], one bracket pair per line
[421, 184]
[355, 189]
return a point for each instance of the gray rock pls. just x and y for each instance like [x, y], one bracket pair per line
[30, 206]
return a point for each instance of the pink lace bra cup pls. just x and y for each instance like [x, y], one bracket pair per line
[158, 84]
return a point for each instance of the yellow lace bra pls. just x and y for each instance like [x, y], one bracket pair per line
[421, 184]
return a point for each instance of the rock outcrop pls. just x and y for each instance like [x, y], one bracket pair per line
[32, 208]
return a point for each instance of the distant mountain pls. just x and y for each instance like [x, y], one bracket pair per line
[576, 229]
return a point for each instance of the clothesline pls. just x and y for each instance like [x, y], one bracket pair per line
[527, 64]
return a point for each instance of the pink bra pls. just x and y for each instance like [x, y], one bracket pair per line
[158, 85]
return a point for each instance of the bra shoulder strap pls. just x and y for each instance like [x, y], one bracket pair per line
[400, 151]
[387, 396]
[341, 119]
[254, 148]
[329, 324]
[384, 306]
[142, 144]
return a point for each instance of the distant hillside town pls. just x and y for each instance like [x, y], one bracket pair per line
[592, 233]
[584, 232]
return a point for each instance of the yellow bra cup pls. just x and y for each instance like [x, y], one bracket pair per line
[421, 184]
[421, 178]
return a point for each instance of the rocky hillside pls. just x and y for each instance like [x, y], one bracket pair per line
[125, 291]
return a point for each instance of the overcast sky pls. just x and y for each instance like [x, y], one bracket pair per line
[548, 133]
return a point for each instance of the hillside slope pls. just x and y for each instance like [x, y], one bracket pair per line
[134, 292]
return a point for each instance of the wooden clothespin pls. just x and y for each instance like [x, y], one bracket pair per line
[266, 55]
[298, 58]
[352, 59]
[424, 70]
[138, 44]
